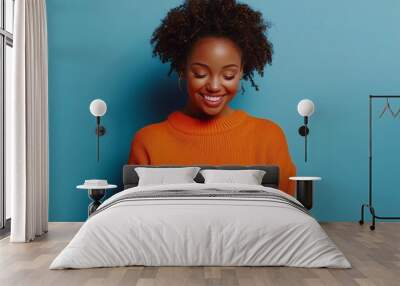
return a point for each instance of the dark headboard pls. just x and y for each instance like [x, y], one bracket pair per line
[270, 179]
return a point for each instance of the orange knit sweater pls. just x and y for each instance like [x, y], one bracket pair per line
[235, 139]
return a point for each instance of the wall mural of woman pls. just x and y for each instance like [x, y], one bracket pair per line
[212, 45]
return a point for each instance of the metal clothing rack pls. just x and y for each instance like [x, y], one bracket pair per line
[370, 202]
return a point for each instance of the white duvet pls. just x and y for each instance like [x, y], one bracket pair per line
[200, 231]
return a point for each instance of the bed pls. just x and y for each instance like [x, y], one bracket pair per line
[199, 224]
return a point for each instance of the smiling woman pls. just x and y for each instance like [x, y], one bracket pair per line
[213, 73]
[212, 45]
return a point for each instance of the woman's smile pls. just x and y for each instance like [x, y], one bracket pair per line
[212, 100]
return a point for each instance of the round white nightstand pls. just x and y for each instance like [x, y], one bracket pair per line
[304, 190]
[96, 191]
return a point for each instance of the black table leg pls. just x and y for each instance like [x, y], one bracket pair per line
[96, 195]
[304, 193]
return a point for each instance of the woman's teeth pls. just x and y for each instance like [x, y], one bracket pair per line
[212, 101]
[213, 98]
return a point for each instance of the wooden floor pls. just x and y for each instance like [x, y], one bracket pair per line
[375, 256]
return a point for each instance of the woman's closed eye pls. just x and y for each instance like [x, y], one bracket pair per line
[199, 75]
[229, 77]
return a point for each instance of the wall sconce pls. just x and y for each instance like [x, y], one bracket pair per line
[98, 108]
[305, 109]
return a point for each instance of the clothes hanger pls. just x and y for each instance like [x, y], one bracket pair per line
[397, 113]
[387, 107]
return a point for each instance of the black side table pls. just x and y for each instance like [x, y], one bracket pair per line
[304, 190]
[95, 193]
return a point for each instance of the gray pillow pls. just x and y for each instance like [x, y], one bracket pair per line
[162, 176]
[248, 177]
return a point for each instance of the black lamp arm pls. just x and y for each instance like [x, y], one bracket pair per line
[303, 131]
[100, 131]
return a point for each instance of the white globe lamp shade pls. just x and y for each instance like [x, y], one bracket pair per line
[305, 107]
[98, 107]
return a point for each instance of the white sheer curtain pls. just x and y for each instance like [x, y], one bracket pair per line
[27, 124]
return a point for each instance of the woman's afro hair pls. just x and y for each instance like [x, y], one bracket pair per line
[185, 24]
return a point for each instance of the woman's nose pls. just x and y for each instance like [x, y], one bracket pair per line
[213, 84]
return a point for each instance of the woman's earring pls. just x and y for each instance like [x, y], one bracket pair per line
[179, 83]
[241, 86]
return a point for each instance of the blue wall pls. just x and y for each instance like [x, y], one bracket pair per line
[333, 52]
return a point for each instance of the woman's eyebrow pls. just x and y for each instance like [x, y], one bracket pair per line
[226, 66]
[231, 65]
[200, 64]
